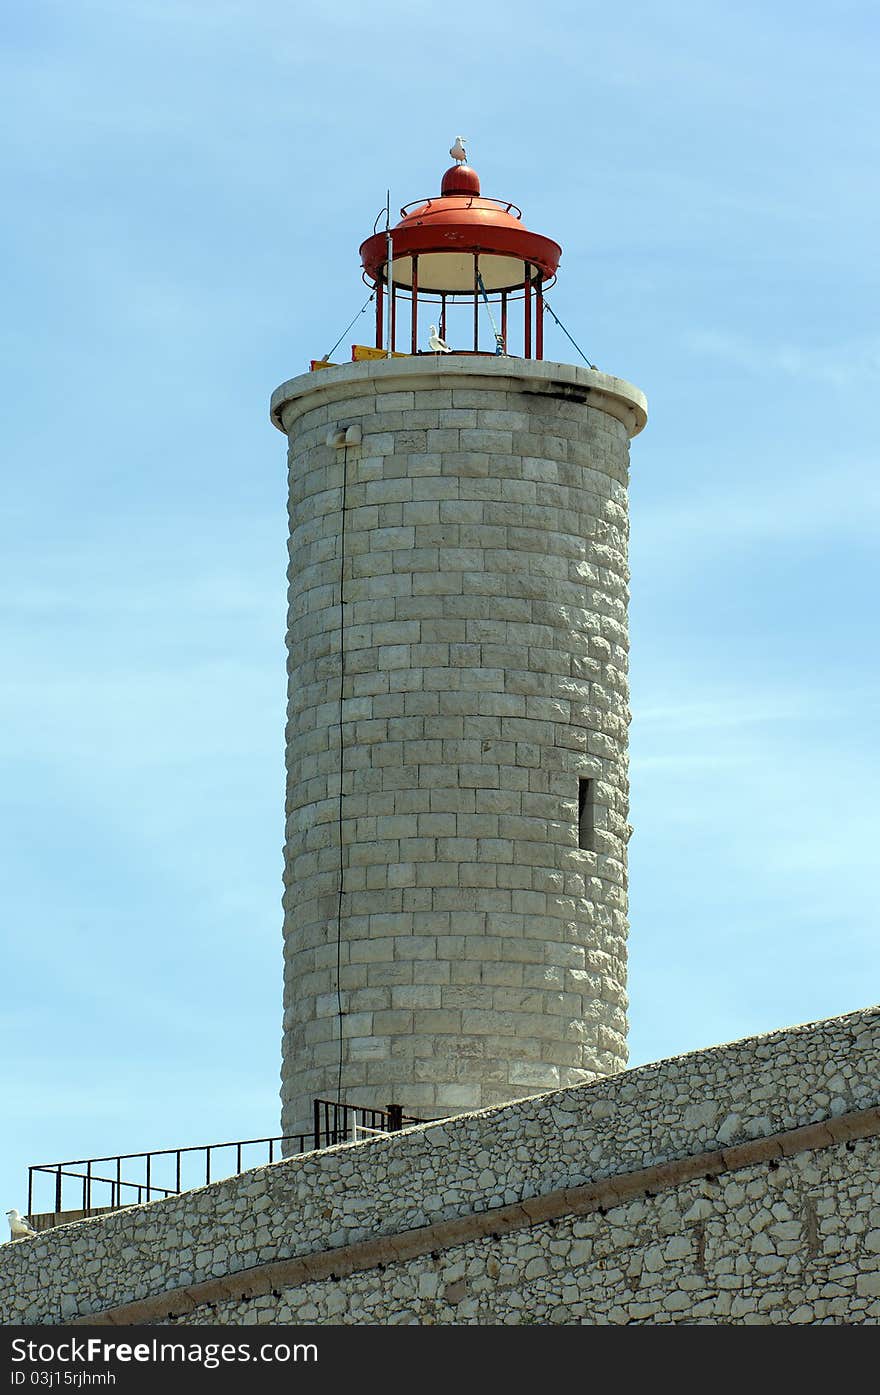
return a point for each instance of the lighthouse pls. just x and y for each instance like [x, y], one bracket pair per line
[455, 903]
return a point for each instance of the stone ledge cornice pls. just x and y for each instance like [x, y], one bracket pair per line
[614, 396]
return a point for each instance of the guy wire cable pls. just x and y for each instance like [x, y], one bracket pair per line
[548, 306]
[348, 327]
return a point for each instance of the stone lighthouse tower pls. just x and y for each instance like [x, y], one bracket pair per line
[456, 815]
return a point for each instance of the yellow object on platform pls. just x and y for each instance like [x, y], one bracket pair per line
[362, 351]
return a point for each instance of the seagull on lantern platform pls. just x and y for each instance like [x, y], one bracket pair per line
[438, 345]
[19, 1227]
[458, 151]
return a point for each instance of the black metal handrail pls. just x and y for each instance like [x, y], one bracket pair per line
[333, 1123]
[147, 1188]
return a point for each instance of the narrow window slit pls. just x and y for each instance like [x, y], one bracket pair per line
[585, 815]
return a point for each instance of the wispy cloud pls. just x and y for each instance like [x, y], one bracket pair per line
[854, 363]
[786, 773]
[843, 498]
[727, 709]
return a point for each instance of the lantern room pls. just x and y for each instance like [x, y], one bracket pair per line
[457, 250]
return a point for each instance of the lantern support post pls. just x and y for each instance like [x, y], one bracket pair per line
[379, 311]
[476, 302]
[414, 337]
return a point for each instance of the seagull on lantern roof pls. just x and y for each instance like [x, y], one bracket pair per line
[458, 151]
[438, 345]
[19, 1227]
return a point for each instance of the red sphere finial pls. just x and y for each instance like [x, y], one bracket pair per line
[460, 179]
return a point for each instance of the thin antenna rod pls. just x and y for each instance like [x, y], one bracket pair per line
[389, 274]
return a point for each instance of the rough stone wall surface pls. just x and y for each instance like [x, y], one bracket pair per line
[481, 643]
[818, 1212]
[796, 1244]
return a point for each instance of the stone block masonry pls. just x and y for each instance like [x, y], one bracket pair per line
[457, 659]
[738, 1185]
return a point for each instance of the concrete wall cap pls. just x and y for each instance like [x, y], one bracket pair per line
[608, 394]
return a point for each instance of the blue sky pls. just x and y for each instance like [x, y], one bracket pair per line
[187, 184]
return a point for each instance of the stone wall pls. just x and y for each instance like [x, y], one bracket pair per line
[738, 1184]
[795, 1244]
[458, 650]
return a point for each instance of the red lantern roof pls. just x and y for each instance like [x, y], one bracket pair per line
[446, 234]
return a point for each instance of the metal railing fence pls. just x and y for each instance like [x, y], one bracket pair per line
[131, 1178]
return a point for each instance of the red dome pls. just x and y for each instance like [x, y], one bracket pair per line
[461, 179]
[448, 232]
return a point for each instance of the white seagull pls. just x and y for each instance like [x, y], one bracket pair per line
[19, 1228]
[458, 151]
[438, 345]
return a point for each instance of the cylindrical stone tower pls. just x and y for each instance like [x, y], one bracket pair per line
[455, 860]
